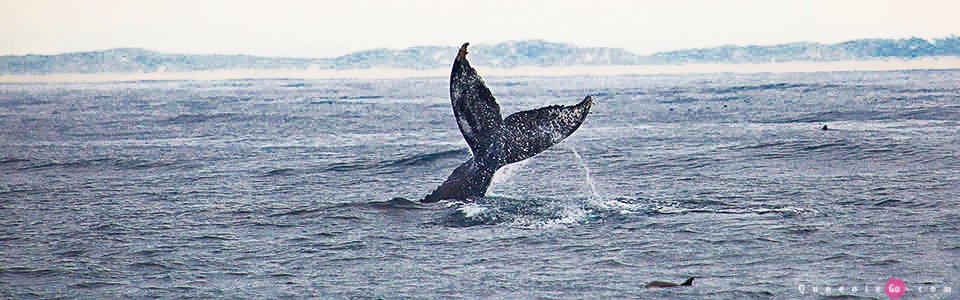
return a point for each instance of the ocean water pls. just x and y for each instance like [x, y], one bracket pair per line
[283, 188]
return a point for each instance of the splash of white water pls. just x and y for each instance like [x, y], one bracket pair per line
[506, 173]
[503, 180]
[586, 172]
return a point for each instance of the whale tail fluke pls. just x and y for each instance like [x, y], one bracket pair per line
[493, 140]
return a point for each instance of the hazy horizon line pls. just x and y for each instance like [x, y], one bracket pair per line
[928, 39]
[874, 65]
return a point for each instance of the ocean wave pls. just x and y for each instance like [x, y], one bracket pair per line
[394, 204]
[118, 163]
[426, 158]
[941, 113]
[829, 116]
[29, 271]
[10, 160]
[295, 212]
[198, 118]
[96, 284]
[768, 86]
[412, 160]
[842, 149]
[282, 172]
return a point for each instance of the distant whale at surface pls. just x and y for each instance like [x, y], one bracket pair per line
[496, 141]
[666, 284]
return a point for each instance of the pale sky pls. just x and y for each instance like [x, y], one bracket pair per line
[333, 28]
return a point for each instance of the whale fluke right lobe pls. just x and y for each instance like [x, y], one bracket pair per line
[527, 133]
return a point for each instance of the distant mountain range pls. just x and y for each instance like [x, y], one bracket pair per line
[504, 55]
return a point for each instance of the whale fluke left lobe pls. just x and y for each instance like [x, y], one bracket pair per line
[476, 110]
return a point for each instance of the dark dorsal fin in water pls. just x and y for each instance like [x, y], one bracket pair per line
[496, 142]
[667, 284]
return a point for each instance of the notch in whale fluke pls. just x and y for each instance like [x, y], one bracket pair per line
[463, 51]
[496, 141]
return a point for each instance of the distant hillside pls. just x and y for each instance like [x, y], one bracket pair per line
[505, 55]
[849, 50]
[126, 60]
